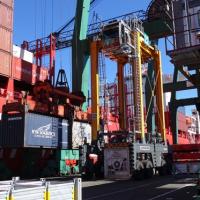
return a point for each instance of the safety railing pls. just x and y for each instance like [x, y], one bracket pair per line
[186, 33]
[41, 190]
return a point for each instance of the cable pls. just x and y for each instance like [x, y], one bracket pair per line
[67, 25]
[52, 15]
[45, 4]
[35, 18]
[94, 4]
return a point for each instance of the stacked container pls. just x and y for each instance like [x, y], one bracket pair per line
[69, 161]
[6, 33]
[34, 130]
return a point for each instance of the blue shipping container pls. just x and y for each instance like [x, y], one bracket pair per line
[34, 130]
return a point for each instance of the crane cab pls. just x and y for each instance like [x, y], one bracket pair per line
[117, 38]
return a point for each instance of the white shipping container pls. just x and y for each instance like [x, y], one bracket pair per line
[81, 132]
[27, 56]
[16, 51]
[23, 54]
[116, 163]
[167, 98]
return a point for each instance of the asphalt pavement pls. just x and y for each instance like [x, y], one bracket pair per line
[158, 188]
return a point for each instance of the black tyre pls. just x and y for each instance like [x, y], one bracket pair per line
[139, 171]
[163, 169]
[149, 170]
[148, 173]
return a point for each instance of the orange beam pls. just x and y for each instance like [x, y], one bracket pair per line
[94, 50]
[159, 95]
[138, 93]
[121, 92]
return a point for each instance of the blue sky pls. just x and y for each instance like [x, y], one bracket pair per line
[37, 18]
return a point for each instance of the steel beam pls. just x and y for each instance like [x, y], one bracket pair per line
[159, 95]
[149, 85]
[138, 93]
[121, 92]
[94, 50]
[198, 92]
[186, 102]
[181, 85]
[186, 74]
[173, 109]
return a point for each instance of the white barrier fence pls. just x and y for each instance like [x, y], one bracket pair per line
[41, 190]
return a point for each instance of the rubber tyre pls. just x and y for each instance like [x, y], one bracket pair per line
[148, 172]
[139, 172]
[162, 170]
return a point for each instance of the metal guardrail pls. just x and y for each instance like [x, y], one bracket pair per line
[41, 190]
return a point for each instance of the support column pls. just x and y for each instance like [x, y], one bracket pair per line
[138, 90]
[121, 97]
[159, 96]
[198, 90]
[173, 109]
[174, 121]
[149, 86]
[94, 89]
[80, 50]
[198, 105]
[52, 59]
[10, 90]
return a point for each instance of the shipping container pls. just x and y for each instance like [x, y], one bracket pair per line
[5, 63]
[28, 72]
[7, 2]
[69, 161]
[34, 130]
[5, 40]
[6, 17]
[23, 54]
[1, 126]
[182, 122]
[2, 102]
[6, 29]
[81, 132]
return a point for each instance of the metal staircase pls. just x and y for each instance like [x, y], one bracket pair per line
[103, 93]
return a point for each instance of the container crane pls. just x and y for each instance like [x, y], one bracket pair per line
[131, 43]
[125, 42]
